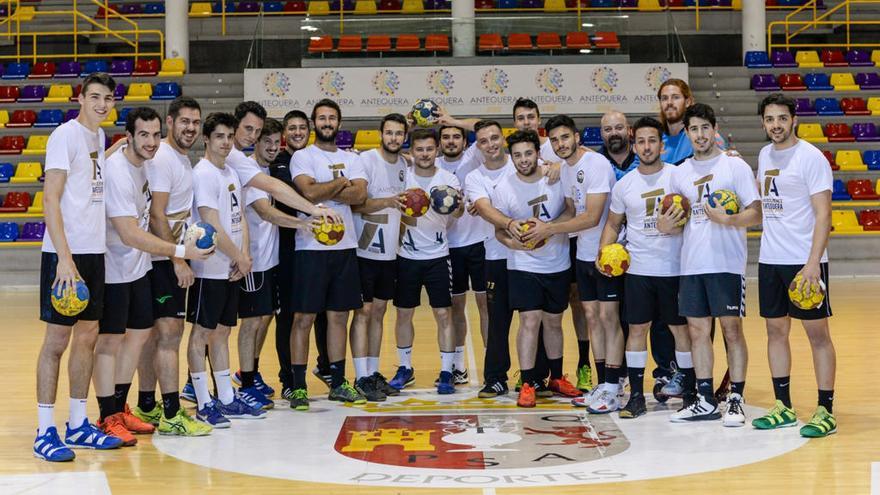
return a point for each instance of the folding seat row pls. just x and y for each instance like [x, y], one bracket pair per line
[145, 67]
[60, 93]
[816, 81]
[838, 132]
[831, 106]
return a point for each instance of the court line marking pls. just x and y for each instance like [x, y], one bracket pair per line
[488, 491]
[875, 478]
[473, 374]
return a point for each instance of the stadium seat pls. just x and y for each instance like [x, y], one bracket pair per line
[854, 106]
[833, 58]
[32, 231]
[868, 81]
[154, 8]
[875, 57]
[42, 70]
[519, 41]
[828, 156]
[110, 11]
[817, 81]
[757, 60]
[811, 132]
[845, 221]
[872, 159]
[390, 5]
[413, 7]
[838, 191]
[121, 68]
[27, 173]
[808, 59]
[165, 91]
[507, 131]
[367, 139]
[36, 145]
[532, 4]
[490, 42]
[650, 5]
[217, 7]
[606, 39]
[508, 4]
[843, 81]
[320, 44]
[438, 5]
[11, 145]
[37, 205]
[828, 106]
[554, 6]
[866, 131]
[120, 118]
[16, 70]
[68, 70]
[366, 7]
[603, 4]
[345, 140]
[8, 230]
[248, 7]
[200, 9]
[873, 105]
[59, 93]
[9, 94]
[350, 43]
[22, 118]
[378, 43]
[577, 40]
[16, 202]
[792, 82]
[94, 66]
[71, 114]
[838, 133]
[317, 7]
[783, 58]
[146, 67]
[49, 118]
[129, 9]
[32, 94]
[804, 107]
[764, 82]
[6, 172]
[859, 58]
[139, 92]
[484, 4]
[437, 43]
[549, 41]
[591, 136]
[172, 67]
[861, 189]
[295, 6]
[4, 118]
[850, 161]
[407, 43]
[870, 219]
[110, 120]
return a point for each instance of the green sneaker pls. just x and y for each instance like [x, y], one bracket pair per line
[585, 378]
[778, 417]
[299, 399]
[183, 425]
[821, 424]
[153, 417]
[347, 393]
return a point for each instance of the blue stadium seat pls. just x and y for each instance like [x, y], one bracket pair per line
[216, 7]
[6, 172]
[818, 82]
[508, 4]
[839, 193]
[828, 106]
[165, 91]
[871, 159]
[273, 7]
[8, 231]
[757, 60]
[154, 8]
[591, 136]
[94, 66]
[49, 118]
[17, 70]
[120, 117]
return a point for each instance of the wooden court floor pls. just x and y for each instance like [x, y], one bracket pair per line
[841, 463]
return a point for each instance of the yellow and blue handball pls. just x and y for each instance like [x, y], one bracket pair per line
[328, 233]
[424, 113]
[445, 199]
[614, 259]
[202, 235]
[726, 199]
[811, 296]
[70, 300]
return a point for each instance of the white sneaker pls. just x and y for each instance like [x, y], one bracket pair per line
[621, 387]
[734, 415]
[606, 402]
[699, 410]
[588, 398]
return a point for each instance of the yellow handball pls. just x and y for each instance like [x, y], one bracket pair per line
[614, 259]
[70, 301]
[525, 227]
[810, 297]
[329, 233]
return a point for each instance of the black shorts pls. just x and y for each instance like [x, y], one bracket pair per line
[435, 275]
[572, 257]
[773, 301]
[169, 299]
[378, 278]
[258, 295]
[593, 286]
[648, 297]
[91, 269]
[326, 281]
[213, 302]
[712, 294]
[127, 306]
[547, 292]
[468, 263]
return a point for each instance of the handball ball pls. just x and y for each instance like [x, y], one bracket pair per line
[726, 199]
[415, 202]
[525, 227]
[329, 233]
[424, 112]
[70, 301]
[678, 200]
[445, 199]
[614, 259]
[812, 296]
[201, 234]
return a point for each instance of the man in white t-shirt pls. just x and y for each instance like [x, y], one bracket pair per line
[423, 261]
[378, 227]
[329, 274]
[713, 262]
[651, 282]
[212, 305]
[795, 184]
[73, 249]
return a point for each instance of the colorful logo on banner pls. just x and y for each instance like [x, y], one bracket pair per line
[386, 82]
[550, 80]
[657, 75]
[495, 81]
[277, 84]
[440, 81]
[604, 80]
[331, 83]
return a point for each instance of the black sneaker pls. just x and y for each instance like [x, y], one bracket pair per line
[541, 390]
[493, 389]
[460, 377]
[327, 378]
[347, 393]
[366, 385]
[299, 399]
[382, 385]
[635, 407]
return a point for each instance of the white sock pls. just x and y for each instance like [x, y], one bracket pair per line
[224, 387]
[372, 364]
[684, 359]
[636, 359]
[459, 358]
[404, 355]
[45, 417]
[200, 383]
[361, 367]
[77, 412]
[446, 361]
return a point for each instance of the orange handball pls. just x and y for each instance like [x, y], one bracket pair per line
[681, 201]
[416, 202]
[329, 233]
[525, 227]
[614, 259]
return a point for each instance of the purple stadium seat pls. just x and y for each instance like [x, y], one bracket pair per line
[32, 93]
[345, 140]
[783, 58]
[531, 4]
[248, 7]
[120, 92]
[347, 5]
[859, 58]
[438, 5]
[121, 68]
[71, 114]
[32, 231]
[131, 9]
[67, 70]
[865, 132]
[764, 82]
[870, 80]
[629, 4]
[804, 107]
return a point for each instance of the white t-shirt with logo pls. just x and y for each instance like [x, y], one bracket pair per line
[79, 152]
[324, 166]
[378, 232]
[263, 235]
[467, 229]
[592, 174]
[424, 237]
[220, 190]
[521, 200]
[707, 246]
[639, 197]
[246, 167]
[128, 195]
[171, 172]
[786, 180]
[481, 184]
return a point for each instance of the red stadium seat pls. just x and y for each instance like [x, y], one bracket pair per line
[146, 67]
[577, 40]
[833, 58]
[437, 43]
[490, 42]
[792, 82]
[11, 145]
[378, 43]
[390, 5]
[484, 4]
[350, 43]
[9, 94]
[519, 41]
[606, 39]
[838, 133]
[16, 202]
[870, 219]
[42, 70]
[295, 6]
[321, 44]
[549, 41]
[830, 157]
[861, 189]
[407, 43]
[22, 118]
[854, 106]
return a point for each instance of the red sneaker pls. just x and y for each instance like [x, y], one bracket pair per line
[563, 387]
[526, 396]
[115, 427]
[134, 424]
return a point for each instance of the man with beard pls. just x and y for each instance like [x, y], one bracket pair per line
[675, 97]
[378, 233]
[795, 183]
[323, 172]
[617, 143]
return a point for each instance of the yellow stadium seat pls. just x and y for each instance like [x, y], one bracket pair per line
[554, 6]
[4, 118]
[845, 221]
[139, 92]
[413, 7]
[37, 205]
[874, 105]
[365, 7]
[843, 81]
[649, 5]
[812, 133]
[27, 173]
[172, 67]
[311, 137]
[736, 5]
[507, 131]
[111, 119]
[367, 140]
[808, 59]
[59, 93]
[875, 57]
[850, 160]
[200, 9]
[36, 145]
[318, 7]
[25, 14]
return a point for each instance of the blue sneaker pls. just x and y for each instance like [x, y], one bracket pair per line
[254, 397]
[239, 409]
[446, 383]
[188, 393]
[49, 447]
[210, 415]
[403, 378]
[262, 386]
[88, 436]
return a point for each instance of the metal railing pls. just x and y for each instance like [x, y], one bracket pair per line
[815, 21]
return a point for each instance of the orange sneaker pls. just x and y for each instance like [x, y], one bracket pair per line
[563, 387]
[526, 396]
[115, 427]
[134, 424]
